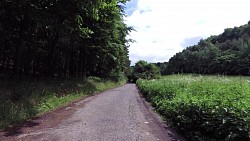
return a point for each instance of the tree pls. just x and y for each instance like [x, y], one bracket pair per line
[145, 70]
[63, 38]
[227, 53]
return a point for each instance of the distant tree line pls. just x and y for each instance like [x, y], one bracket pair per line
[227, 53]
[73, 38]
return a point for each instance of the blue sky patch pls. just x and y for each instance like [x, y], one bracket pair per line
[131, 6]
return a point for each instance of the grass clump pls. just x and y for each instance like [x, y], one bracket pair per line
[202, 107]
[22, 100]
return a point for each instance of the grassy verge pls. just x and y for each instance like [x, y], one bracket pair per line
[22, 100]
[202, 107]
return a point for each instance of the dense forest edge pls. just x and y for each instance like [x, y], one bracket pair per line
[63, 38]
[225, 54]
[56, 51]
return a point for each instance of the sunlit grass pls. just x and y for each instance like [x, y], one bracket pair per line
[202, 107]
[22, 100]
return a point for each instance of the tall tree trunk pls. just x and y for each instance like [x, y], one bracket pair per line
[84, 67]
[18, 54]
[28, 61]
[80, 65]
[71, 63]
[20, 44]
[66, 68]
[3, 57]
[51, 55]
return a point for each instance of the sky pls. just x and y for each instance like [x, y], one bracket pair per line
[166, 27]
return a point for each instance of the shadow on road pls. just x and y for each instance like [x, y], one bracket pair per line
[17, 130]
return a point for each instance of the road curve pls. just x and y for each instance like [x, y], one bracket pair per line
[118, 114]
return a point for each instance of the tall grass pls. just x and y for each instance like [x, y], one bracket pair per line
[22, 100]
[202, 107]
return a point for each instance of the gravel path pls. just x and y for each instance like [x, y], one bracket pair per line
[119, 114]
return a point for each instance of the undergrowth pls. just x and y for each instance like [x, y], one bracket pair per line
[25, 99]
[202, 107]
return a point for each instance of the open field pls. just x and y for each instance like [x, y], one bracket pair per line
[202, 107]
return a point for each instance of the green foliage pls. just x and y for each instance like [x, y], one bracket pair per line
[58, 39]
[145, 70]
[64, 38]
[202, 107]
[22, 100]
[164, 68]
[227, 53]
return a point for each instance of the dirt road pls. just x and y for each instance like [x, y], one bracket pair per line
[119, 114]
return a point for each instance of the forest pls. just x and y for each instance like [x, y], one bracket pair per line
[68, 38]
[53, 52]
[227, 54]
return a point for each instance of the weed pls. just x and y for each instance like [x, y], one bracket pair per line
[202, 107]
[22, 100]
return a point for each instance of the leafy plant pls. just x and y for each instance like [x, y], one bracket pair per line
[202, 107]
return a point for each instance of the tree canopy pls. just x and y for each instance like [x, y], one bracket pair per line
[145, 70]
[63, 37]
[227, 53]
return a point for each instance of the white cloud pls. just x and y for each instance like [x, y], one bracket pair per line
[163, 25]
